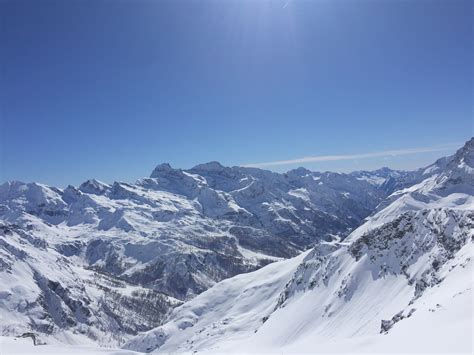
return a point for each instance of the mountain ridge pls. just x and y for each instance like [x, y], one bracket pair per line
[179, 232]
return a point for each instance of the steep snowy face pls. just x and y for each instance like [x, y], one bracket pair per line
[407, 262]
[458, 177]
[414, 246]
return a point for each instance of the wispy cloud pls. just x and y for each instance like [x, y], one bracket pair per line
[383, 153]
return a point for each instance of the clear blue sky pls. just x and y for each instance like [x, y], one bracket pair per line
[109, 89]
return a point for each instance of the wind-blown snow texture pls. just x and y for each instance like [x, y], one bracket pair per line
[102, 263]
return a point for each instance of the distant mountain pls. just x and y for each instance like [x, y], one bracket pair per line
[75, 260]
[180, 231]
[402, 282]
[388, 180]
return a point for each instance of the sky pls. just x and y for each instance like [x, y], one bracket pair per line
[109, 89]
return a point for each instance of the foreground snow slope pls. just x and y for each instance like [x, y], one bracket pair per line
[232, 307]
[400, 279]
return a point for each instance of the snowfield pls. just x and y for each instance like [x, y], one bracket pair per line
[219, 260]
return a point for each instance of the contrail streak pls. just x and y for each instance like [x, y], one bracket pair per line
[384, 153]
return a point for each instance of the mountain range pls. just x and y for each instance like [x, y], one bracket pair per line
[221, 258]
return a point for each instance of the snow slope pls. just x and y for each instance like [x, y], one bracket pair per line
[12, 345]
[234, 306]
[400, 282]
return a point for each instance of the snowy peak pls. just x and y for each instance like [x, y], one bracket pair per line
[161, 169]
[212, 166]
[94, 186]
[463, 160]
[32, 191]
[35, 199]
[299, 172]
[458, 174]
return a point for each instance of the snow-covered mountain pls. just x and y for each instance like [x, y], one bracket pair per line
[401, 281]
[181, 231]
[106, 261]
[166, 238]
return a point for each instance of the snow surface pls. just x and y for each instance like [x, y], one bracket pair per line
[11, 345]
